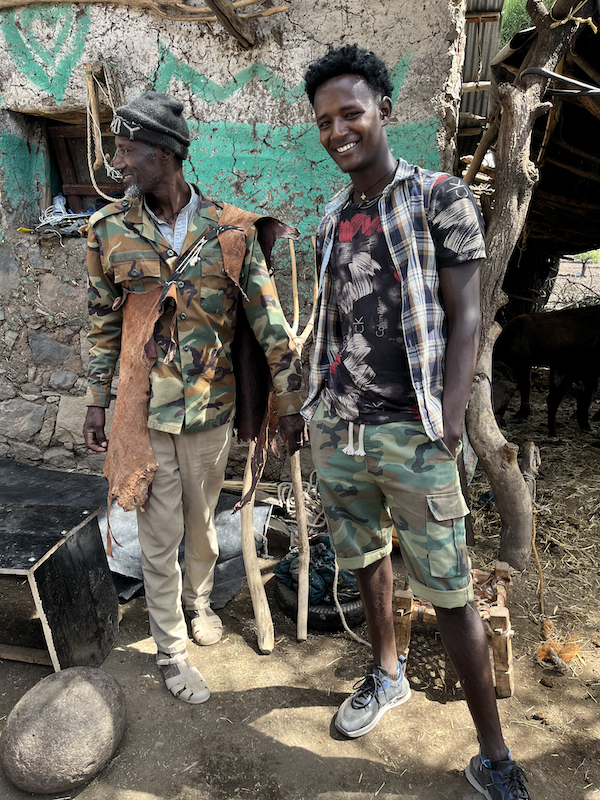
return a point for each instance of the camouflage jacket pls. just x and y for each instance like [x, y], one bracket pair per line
[196, 390]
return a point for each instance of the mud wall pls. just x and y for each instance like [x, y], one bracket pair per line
[253, 144]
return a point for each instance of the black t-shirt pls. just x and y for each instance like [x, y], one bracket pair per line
[369, 382]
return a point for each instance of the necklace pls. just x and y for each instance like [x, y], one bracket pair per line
[171, 219]
[363, 195]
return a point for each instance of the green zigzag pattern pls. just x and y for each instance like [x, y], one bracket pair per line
[171, 67]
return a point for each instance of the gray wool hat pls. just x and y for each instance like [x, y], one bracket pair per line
[156, 119]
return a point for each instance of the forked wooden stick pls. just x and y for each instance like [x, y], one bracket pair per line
[303, 543]
[262, 613]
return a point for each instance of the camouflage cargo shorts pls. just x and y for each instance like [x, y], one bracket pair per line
[405, 481]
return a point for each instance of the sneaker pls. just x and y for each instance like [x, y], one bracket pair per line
[375, 695]
[505, 781]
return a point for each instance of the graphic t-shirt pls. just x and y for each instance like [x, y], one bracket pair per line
[369, 382]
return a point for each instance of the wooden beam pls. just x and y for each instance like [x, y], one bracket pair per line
[226, 15]
[29, 655]
[83, 189]
[475, 86]
[590, 176]
[485, 16]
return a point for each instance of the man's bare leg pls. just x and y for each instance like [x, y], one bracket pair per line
[465, 641]
[375, 583]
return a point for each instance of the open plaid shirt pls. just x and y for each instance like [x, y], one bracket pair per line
[403, 209]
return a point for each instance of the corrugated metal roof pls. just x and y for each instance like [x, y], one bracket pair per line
[483, 42]
[484, 5]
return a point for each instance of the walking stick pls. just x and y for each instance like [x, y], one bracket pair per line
[262, 613]
[303, 543]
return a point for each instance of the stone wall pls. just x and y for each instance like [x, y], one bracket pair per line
[253, 144]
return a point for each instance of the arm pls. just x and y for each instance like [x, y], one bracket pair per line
[105, 338]
[459, 287]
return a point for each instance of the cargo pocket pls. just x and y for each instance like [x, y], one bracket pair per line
[132, 270]
[217, 290]
[445, 510]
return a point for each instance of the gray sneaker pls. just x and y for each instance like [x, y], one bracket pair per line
[505, 781]
[374, 695]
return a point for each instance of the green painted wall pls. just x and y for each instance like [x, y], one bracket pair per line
[280, 167]
[25, 169]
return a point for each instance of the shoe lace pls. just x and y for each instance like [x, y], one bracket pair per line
[515, 784]
[366, 690]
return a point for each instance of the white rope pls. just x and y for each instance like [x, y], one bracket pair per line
[347, 628]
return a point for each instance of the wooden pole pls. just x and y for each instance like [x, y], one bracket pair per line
[296, 308]
[95, 112]
[262, 613]
[303, 549]
[226, 15]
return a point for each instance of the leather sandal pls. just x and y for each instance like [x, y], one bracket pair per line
[182, 679]
[206, 626]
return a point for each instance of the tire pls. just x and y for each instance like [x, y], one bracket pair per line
[320, 617]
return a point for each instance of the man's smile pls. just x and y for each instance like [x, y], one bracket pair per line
[345, 147]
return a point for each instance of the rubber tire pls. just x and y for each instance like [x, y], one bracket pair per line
[320, 617]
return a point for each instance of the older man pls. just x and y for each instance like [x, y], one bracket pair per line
[159, 253]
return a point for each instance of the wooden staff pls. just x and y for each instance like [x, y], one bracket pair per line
[95, 112]
[262, 613]
[303, 543]
[303, 549]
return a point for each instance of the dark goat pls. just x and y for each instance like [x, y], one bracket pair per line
[568, 342]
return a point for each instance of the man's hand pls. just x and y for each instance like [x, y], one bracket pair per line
[293, 432]
[93, 430]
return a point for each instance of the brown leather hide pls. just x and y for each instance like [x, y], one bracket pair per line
[130, 464]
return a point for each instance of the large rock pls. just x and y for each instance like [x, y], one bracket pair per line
[47, 350]
[20, 419]
[62, 297]
[62, 379]
[70, 419]
[63, 731]
[9, 272]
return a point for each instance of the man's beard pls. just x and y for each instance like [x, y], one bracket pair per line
[134, 191]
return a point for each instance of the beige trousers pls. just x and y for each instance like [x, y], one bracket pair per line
[184, 495]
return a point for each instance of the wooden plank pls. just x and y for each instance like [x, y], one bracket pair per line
[402, 606]
[84, 189]
[29, 655]
[483, 16]
[78, 603]
[67, 172]
[226, 15]
[75, 131]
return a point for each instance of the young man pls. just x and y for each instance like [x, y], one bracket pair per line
[396, 343]
[177, 418]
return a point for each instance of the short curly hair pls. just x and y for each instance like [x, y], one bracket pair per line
[348, 60]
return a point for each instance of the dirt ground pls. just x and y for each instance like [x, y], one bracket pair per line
[267, 730]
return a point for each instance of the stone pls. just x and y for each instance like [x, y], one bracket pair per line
[92, 462]
[35, 259]
[9, 272]
[59, 457]
[47, 350]
[70, 419]
[7, 390]
[23, 452]
[63, 731]
[62, 297]
[20, 419]
[62, 379]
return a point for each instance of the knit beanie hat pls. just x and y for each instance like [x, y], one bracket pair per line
[156, 119]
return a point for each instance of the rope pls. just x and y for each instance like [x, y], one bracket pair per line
[92, 124]
[347, 628]
[572, 18]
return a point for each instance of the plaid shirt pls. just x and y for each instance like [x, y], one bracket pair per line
[403, 209]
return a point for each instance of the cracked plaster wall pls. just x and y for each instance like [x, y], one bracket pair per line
[253, 144]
